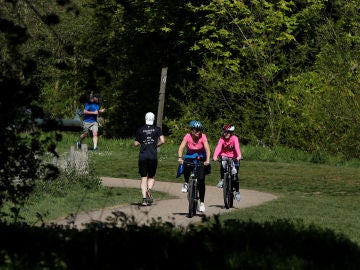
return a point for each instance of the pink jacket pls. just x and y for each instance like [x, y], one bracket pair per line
[229, 148]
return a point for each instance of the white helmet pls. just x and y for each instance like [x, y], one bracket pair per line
[228, 127]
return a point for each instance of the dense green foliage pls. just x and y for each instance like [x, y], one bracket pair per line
[234, 245]
[284, 72]
[20, 154]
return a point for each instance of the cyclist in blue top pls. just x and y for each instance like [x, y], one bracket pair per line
[91, 112]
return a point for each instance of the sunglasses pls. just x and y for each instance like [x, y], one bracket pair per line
[196, 129]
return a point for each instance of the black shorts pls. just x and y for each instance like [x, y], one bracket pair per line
[147, 167]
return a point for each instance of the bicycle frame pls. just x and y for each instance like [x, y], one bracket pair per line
[193, 192]
[228, 185]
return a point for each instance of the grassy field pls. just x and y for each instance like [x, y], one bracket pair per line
[325, 193]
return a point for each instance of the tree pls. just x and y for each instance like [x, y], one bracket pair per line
[22, 147]
[247, 46]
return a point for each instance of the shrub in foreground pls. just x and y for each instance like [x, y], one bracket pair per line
[230, 245]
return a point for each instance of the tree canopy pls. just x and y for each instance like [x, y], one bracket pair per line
[283, 72]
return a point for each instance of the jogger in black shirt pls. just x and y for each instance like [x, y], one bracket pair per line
[149, 137]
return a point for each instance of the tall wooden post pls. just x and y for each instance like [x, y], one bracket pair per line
[160, 112]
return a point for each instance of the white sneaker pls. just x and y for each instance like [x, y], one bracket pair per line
[184, 188]
[220, 184]
[202, 207]
[237, 196]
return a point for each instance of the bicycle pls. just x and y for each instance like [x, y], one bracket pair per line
[193, 192]
[228, 183]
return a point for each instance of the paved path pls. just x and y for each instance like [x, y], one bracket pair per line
[171, 210]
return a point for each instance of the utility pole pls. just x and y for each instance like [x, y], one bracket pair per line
[161, 97]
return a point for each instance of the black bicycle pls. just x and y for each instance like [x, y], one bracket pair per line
[192, 195]
[228, 183]
[193, 192]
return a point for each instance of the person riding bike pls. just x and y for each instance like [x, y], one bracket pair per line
[196, 143]
[229, 146]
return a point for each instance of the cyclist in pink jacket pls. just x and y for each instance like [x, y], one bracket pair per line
[195, 142]
[229, 146]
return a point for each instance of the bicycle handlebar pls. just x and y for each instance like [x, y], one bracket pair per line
[223, 158]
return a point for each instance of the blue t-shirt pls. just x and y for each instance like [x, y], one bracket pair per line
[92, 107]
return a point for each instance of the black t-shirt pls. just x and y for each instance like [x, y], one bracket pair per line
[148, 137]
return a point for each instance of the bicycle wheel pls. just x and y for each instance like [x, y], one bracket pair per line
[231, 192]
[195, 204]
[226, 190]
[192, 198]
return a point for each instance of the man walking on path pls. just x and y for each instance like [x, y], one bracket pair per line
[149, 137]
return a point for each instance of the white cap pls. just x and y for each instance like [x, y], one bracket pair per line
[149, 118]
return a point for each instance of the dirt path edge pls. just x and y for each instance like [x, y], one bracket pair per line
[171, 210]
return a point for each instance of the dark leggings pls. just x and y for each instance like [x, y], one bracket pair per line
[188, 167]
[237, 166]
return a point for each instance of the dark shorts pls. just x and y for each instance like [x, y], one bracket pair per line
[147, 167]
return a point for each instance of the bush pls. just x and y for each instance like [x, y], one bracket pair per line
[232, 245]
[318, 157]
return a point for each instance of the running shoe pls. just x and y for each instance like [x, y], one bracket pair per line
[237, 196]
[78, 145]
[95, 149]
[220, 183]
[149, 196]
[144, 202]
[184, 188]
[202, 207]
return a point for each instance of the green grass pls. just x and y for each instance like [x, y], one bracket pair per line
[338, 214]
[47, 206]
[51, 206]
[325, 194]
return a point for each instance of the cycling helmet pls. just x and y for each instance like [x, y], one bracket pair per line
[228, 127]
[196, 125]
